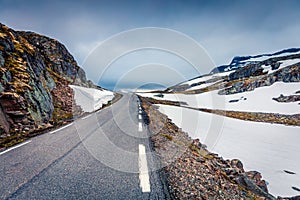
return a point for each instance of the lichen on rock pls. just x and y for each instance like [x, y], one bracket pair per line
[35, 72]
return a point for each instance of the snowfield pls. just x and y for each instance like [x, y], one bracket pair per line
[90, 99]
[206, 78]
[267, 148]
[258, 100]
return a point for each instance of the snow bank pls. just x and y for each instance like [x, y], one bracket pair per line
[267, 148]
[90, 99]
[258, 100]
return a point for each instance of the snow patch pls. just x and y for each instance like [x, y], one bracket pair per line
[206, 78]
[258, 100]
[90, 99]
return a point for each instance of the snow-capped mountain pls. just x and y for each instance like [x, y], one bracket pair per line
[260, 70]
[240, 61]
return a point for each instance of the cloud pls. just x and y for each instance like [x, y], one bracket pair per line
[224, 28]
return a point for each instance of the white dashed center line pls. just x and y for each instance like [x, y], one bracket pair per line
[143, 169]
[140, 127]
[143, 166]
[140, 117]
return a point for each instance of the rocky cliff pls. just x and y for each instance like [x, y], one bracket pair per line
[35, 73]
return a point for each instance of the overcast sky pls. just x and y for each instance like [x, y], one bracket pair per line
[223, 28]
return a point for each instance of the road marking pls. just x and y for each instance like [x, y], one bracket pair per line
[143, 169]
[86, 117]
[61, 128]
[140, 116]
[140, 127]
[17, 146]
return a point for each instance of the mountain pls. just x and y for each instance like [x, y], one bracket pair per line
[283, 66]
[240, 61]
[35, 73]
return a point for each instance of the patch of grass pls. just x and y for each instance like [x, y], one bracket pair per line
[2, 35]
[20, 86]
[293, 120]
[11, 35]
[179, 143]
[18, 46]
[20, 77]
[169, 137]
[165, 102]
[26, 46]
[56, 77]
[59, 115]
[14, 139]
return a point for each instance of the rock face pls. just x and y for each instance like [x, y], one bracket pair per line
[253, 76]
[35, 73]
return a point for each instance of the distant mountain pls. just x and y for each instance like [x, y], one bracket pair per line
[152, 86]
[246, 73]
[35, 73]
[240, 61]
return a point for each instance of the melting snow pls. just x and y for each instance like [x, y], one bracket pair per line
[206, 78]
[90, 99]
[267, 148]
[258, 100]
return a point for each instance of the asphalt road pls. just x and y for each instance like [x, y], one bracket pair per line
[100, 156]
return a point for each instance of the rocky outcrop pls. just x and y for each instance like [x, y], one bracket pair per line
[287, 99]
[35, 73]
[253, 76]
[240, 61]
[248, 77]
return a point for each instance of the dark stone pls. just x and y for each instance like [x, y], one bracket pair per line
[289, 172]
[199, 159]
[237, 163]
[295, 188]
[233, 101]
[247, 183]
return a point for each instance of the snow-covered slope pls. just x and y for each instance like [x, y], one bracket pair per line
[258, 100]
[268, 148]
[90, 99]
